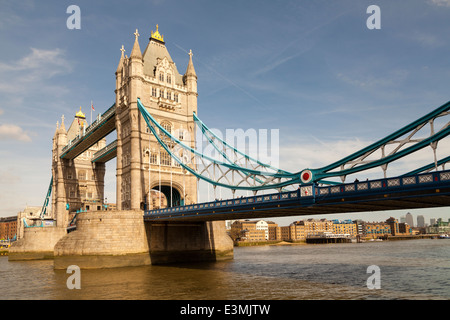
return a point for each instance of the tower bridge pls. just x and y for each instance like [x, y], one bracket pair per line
[155, 119]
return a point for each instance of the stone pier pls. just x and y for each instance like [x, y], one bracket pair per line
[185, 242]
[104, 239]
[37, 243]
[108, 239]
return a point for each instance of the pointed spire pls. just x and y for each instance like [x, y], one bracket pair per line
[57, 127]
[136, 52]
[62, 128]
[120, 66]
[190, 71]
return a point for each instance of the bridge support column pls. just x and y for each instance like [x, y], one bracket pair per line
[188, 241]
[104, 239]
[107, 239]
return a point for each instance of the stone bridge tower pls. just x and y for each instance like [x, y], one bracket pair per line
[78, 184]
[171, 98]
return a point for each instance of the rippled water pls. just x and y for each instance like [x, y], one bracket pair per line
[413, 269]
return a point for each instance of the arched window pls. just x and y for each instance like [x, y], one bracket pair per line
[167, 126]
[82, 175]
[153, 158]
[165, 158]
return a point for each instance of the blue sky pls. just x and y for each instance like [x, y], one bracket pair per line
[311, 69]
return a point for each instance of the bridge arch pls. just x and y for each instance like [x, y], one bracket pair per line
[172, 192]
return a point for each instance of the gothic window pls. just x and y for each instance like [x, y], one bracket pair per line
[165, 158]
[154, 92]
[169, 95]
[82, 175]
[161, 93]
[154, 158]
[175, 97]
[167, 126]
[169, 78]
[161, 76]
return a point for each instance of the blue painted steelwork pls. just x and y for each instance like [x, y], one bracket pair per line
[356, 162]
[47, 199]
[153, 125]
[325, 172]
[208, 133]
[430, 166]
[310, 196]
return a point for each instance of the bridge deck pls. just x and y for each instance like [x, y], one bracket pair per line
[99, 129]
[107, 153]
[411, 192]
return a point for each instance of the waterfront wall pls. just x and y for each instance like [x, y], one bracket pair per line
[37, 243]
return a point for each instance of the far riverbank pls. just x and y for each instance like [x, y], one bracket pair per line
[303, 242]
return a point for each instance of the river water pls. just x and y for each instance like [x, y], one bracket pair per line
[411, 269]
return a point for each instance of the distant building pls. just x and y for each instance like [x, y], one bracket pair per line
[405, 229]
[397, 228]
[420, 221]
[274, 231]
[376, 230]
[8, 228]
[440, 227]
[345, 227]
[314, 226]
[409, 219]
[249, 230]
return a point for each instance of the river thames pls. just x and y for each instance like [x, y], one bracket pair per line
[409, 270]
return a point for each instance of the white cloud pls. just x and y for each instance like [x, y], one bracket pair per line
[361, 80]
[441, 3]
[296, 157]
[39, 64]
[13, 132]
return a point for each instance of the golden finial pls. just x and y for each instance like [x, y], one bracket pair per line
[156, 35]
[80, 114]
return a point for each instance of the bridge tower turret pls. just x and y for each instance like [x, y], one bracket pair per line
[59, 198]
[143, 166]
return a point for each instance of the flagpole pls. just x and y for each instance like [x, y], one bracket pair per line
[91, 111]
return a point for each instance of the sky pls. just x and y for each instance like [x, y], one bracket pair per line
[311, 69]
